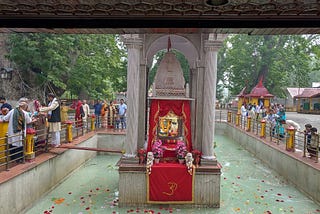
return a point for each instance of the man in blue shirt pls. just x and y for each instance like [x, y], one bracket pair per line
[97, 112]
[122, 114]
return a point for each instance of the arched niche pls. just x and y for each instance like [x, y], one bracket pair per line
[186, 46]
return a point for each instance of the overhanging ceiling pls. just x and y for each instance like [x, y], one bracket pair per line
[160, 16]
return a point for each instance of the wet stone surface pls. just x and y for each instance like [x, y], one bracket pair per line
[247, 186]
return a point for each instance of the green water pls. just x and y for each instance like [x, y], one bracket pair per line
[247, 186]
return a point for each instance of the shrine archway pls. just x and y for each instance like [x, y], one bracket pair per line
[184, 44]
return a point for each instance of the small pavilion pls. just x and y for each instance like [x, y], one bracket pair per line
[309, 101]
[259, 94]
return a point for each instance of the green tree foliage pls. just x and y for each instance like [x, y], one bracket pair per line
[157, 59]
[282, 61]
[85, 65]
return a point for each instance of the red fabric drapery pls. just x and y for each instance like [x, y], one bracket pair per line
[160, 108]
[170, 183]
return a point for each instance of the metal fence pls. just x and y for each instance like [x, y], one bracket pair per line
[306, 145]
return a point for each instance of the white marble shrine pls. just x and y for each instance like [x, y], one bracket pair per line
[177, 112]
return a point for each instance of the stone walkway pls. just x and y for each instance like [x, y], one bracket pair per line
[303, 119]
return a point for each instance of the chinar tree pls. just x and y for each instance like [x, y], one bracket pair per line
[282, 61]
[84, 65]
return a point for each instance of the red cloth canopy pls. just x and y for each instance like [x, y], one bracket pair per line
[160, 108]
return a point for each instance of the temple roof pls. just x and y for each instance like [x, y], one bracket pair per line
[295, 91]
[259, 91]
[242, 92]
[309, 93]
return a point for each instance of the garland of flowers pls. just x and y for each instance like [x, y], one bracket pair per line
[157, 149]
[181, 149]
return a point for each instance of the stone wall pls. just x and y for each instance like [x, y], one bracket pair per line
[10, 89]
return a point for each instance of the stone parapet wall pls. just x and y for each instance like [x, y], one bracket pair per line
[27, 188]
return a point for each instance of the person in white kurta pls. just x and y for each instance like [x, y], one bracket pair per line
[54, 119]
[86, 110]
[15, 140]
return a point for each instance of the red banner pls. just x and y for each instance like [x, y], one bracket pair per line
[170, 183]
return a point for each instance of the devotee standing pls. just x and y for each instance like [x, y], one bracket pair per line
[122, 113]
[64, 111]
[54, 119]
[104, 110]
[111, 114]
[243, 111]
[18, 119]
[79, 114]
[280, 120]
[86, 110]
[5, 107]
[97, 111]
[40, 124]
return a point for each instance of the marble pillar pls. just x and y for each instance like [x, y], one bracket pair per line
[211, 48]
[134, 46]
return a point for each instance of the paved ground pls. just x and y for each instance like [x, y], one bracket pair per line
[303, 119]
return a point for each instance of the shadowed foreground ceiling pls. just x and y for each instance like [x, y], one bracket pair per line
[160, 16]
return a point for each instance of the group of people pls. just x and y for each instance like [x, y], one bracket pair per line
[312, 139]
[275, 115]
[253, 110]
[109, 115]
[32, 114]
[28, 114]
[82, 112]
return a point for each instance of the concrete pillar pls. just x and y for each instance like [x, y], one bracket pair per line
[134, 46]
[211, 48]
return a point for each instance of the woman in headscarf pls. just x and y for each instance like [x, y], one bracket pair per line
[111, 114]
[40, 124]
[79, 114]
[104, 110]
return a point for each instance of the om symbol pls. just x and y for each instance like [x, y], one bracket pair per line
[173, 187]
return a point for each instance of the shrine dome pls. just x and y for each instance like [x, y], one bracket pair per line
[260, 91]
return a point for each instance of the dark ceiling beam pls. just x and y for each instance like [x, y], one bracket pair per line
[175, 22]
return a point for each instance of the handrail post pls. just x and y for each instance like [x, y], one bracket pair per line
[93, 118]
[263, 129]
[3, 135]
[29, 148]
[69, 131]
[304, 145]
[248, 124]
[7, 151]
[290, 139]
[238, 119]
[317, 149]
[229, 116]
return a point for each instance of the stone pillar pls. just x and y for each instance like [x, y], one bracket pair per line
[134, 46]
[198, 109]
[211, 48]
[142, 104]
